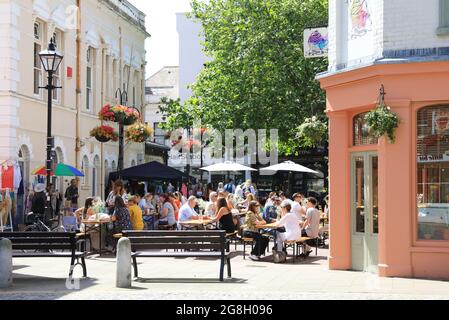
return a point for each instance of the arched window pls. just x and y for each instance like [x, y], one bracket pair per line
[361, 131]
[114, 166]
[133, 163]
[433, 173]
[85, 170]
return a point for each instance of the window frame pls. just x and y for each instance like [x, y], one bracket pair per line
[90, 53]
[421, 207]
[38, 71]
[443, 26]
[58, 38]
[358, 141]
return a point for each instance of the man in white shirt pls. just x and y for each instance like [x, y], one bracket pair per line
[187, 212]
[297, 207]
[311, 226]
[291, 224]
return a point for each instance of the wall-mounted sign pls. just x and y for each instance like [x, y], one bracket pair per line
[440, 122]
[434, 158]
[316, 43]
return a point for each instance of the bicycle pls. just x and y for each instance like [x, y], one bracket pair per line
[39, 226]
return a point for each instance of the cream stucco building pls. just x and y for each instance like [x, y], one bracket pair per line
[108, 54]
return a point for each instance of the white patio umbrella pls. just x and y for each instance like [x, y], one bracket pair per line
[288, 166]
[227, 166]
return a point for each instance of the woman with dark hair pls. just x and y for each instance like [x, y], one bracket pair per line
[87, 211]
[224, 216]
[167, 213]
[253, 220]
[121, 216]
[118, 190]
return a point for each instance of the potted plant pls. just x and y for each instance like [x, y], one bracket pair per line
[125, 115]
[107, 114]
[104, 133]
[381, 120]
[138, 132]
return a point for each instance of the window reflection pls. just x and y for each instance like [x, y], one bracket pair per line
[433, 173]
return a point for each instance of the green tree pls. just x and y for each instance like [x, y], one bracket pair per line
[257, 76]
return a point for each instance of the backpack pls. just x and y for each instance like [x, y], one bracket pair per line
[228, 187]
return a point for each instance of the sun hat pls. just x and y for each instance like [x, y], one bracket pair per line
[40, 187]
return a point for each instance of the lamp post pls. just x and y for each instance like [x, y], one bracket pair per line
[122, 95]
[51, 60]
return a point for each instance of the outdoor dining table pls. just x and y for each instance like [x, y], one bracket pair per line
[94, 225]
[196, 223]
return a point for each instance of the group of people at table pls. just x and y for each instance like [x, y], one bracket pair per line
[284, 219]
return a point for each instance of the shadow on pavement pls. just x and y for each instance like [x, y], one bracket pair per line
[190, 280]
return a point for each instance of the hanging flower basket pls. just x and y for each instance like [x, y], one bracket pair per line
[126, 115]
[107, 114]
[104, 134]
[138, 132]
[381, 120]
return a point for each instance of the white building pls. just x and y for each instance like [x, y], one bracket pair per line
[110, 54]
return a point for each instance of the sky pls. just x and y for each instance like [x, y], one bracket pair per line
[162, 46]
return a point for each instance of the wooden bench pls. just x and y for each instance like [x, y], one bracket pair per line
[198, 244]
[46, 245]
[296, 244]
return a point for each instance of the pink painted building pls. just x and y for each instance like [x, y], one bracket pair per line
[389, 202]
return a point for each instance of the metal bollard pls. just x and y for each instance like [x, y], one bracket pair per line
[123, 275]
[5, 263]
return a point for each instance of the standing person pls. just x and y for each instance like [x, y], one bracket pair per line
[220, 187]
[167, 213]
[252, 220]
[121, 217]
[297, 207]
[238, 193]
[311, 225]
[135, 214]
[248, 187]
[71, 196]
[224, 217]
[184, 189]
[290, 222]
[170, 188]
[38, 200]
[118, 190]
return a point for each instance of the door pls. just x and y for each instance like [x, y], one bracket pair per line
[364, 211]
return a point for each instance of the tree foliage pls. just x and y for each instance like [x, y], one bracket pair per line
[257, 76]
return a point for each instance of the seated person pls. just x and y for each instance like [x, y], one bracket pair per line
[270, 213]
[290, 222]
[187, 211]
[211, 206]
[121, 217]
[252, 221]
[224, 217]
[135, 214]
[167, 212]
[311, 225]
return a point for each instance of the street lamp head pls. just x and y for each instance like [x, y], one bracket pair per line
[50, 58]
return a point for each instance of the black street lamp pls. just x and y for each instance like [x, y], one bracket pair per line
[50, 59]
[123, 97]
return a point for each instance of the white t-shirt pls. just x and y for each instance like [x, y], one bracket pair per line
[186, 213]
[292, 228]
[313, 216]
[298, 210]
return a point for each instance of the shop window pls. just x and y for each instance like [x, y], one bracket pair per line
[361, 131]
[443, 27]
[433, 173]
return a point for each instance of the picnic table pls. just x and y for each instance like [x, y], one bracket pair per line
[94, 225]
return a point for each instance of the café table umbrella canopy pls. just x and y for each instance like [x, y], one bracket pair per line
[288, 166]
[61, 170]
[64, 170]
[227, 166]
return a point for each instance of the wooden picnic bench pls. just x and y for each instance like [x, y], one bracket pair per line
[46, 245]
[193, 243]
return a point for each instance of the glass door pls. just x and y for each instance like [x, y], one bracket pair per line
[365, 213]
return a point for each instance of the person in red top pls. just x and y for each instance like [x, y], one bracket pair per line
[175, 203]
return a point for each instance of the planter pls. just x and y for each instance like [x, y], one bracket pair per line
[128, 121]
[102, 139]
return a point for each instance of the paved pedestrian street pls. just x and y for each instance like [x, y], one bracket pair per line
[179, 279]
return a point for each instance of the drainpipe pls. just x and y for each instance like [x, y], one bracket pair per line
[78, 85]
[102, 104]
